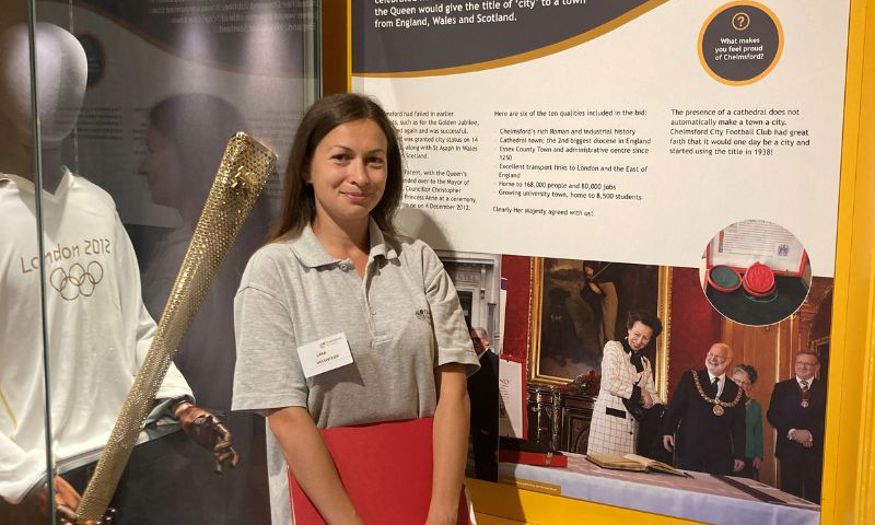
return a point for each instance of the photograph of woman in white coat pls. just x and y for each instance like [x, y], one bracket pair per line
[627, 386]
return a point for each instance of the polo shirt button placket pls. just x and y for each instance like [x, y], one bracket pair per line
[371, 314]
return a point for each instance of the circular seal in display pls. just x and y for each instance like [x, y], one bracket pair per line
[755, 272]
[759, 281]
[724, 278]
[740, 43]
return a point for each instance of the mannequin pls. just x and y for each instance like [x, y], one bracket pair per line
[98, 329]
[61, 75]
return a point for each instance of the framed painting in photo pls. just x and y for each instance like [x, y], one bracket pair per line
[577, 306]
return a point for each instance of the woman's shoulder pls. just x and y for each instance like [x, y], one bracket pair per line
[613, 346]
[405, 244]
[272, 253]
[268, 262]
[412, 251]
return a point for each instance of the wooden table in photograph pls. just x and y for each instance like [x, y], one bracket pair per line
[701, 497]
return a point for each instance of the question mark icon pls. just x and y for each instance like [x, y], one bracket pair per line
[740, 21]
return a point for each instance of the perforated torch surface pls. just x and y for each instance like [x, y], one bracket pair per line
[244, 169]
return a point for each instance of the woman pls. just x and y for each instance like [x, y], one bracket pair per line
[627, 380]
[745, 376]
[336, 269]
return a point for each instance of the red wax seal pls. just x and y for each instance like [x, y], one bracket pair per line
[759, 280]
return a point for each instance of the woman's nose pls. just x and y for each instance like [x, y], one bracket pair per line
[358, 173]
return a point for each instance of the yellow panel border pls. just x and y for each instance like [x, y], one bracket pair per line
[848, 477]
[536, 508]
[848, 485]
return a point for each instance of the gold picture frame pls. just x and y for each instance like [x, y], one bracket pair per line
[660, 360]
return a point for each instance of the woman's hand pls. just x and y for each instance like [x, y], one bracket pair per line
[646, 398]
[311, 464]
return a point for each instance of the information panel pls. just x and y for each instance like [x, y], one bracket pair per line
[635, 161]
[616, 130]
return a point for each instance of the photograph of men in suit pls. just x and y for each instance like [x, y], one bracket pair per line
[704, 424]
[797, 410]
[483, 392]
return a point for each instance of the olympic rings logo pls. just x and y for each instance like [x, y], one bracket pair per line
[79, 280]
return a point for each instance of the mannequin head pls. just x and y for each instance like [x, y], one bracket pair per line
[61, 74]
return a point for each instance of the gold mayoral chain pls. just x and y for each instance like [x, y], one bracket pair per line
[718, 405]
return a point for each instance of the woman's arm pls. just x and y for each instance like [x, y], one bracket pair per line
[615, 377]
[450, 444]
[311, 464]
[649, 384]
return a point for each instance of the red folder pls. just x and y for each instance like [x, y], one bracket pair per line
[539, 459]
[386, 469]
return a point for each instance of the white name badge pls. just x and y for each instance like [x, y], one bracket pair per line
[324, 355]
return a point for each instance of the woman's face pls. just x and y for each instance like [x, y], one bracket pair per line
[348, 171]
[639, 336]
[740, 378]
[162, 170]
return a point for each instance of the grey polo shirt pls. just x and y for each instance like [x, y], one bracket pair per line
[402, 320]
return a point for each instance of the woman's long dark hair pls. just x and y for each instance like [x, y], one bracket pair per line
[299, 208]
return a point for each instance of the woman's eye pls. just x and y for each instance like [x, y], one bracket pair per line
[376, 161]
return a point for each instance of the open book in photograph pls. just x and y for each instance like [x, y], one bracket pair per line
[633, 462]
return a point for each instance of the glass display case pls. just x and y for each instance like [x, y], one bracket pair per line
[99, 199]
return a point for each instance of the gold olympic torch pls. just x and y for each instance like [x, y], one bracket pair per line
[242, 173]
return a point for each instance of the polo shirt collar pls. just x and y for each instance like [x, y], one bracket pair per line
[379, 245]
[312, 254]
